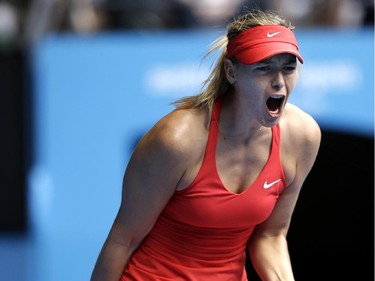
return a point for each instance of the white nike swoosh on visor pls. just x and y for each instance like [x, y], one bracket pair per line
[269, 35]
[268, 185]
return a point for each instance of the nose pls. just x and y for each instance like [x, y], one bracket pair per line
[278, 81]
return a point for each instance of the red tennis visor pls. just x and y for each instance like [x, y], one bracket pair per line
[261, 42]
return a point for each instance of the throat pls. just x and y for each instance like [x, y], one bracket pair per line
[245, 135]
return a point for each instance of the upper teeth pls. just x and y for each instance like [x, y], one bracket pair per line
[276, 97]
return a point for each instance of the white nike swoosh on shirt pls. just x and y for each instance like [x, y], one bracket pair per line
[268, 185]
[269, 35]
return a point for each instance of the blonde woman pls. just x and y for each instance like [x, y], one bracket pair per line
[220, 175]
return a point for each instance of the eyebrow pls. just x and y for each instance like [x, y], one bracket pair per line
[288, 61]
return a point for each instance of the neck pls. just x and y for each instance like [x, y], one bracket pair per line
[236, 121]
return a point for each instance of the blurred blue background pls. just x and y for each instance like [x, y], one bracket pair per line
[95, 80]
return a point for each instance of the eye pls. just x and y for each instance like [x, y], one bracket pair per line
[289, 68]
[263, 68]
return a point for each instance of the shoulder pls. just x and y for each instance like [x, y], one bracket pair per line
[178, 133]
[300, 141]
[300, 128]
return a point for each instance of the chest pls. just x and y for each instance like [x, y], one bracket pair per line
[207, 202]
[237, 185]
[239, 164]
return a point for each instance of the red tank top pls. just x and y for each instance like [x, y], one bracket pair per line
[203, 231]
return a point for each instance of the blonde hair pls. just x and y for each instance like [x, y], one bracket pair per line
[217, 84]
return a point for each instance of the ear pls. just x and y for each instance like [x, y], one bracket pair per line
[229, 71]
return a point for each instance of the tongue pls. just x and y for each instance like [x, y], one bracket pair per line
[272, 105]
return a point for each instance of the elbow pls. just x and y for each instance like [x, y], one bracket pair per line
[261, 242]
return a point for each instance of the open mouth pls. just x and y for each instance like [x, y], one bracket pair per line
[275, 103]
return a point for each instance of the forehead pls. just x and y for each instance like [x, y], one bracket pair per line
[283, 58]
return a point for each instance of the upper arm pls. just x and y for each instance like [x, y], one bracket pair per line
[156, 166]
[150, 179]
[304, 141]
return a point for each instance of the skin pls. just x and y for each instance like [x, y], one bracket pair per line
[175, 147]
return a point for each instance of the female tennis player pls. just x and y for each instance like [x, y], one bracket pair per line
[221, 174]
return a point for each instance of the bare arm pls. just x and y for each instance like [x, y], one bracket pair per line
[268, 246]
[150, 180]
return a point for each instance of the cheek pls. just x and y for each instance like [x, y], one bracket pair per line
[251, 82]
[291, 83]
[251, 87]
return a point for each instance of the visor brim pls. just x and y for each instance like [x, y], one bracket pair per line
[265, 51]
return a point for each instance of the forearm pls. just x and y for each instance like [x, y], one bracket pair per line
[270, 258]
[111, 262]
